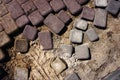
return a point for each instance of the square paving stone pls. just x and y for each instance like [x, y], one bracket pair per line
[22, 1]
[30, 32]
[2, 55]
[73, 6]
[92, 35]
[57, 5]
[22, 21]
[100, 19]
[3, 10]
[43, 7]
[81, 2]
[29, 7]
[15, 9]
[36, 18]
[63, 16]
[76, 36]
[45, 39]
[101, 3]
[1, 28]
[88, 13]
[54, 23]
[4, 38]
[73, 76]
[7, 1]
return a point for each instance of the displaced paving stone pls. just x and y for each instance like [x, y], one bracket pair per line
[92, 35]
[57, 5]
[35, 18]
[29, 7]
[22, 21]
[55, 24]
[20, 73]
[30, 32]
[81, 2]
[58, 65]
[3, 10]
[82, 52]
[100, 19]
[3, 73]
[4, 39]
[15, 9]
[2, 55]
[45, 40]
[7, 1]
[43, 7]
[22, 1]
[73, 6]
[1, 28]
[88, 13]
[73, 76]
[101, 3]
[63, 16]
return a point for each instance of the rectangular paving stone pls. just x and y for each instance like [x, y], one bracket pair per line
[15, 9]
[73, 6]
[100, 19]
[2, 55]
[22, 1]
[54, 23]
[3, 10]
[1, 27]
[101, 3]
[43, 7]
[73, 76]
[45, 40]
[7, 1]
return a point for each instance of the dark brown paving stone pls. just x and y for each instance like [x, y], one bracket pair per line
[30, 32]
[22, 1]
[73, 6]
[73, 76]
[22, 21]
[45, 40]
[88, 13]
[55, 24]
[1, 27]
[29, 7]
[43, 7]
[57, 5]
[3, 10]
[7, 1]
[2, 55]
[15, 9]
[81, 2]
[35, 18]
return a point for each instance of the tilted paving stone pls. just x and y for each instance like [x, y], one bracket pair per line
[7, 1]
[1, 28]
[3, 10]
[81, 2]
[2, 55]
[22, 1]
[101, 3]
[54, 23]
[73, 76]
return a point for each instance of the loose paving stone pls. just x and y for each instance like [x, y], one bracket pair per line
[43, 7]
[4, 38]
[92, 35]
[73, 6]
[82, 52]
[101, 3]
[80, 24]
[1, 28]
[100, 19]
[76, 36]
[88, 13]
[73, 76]
[30, 32]
[113, 7]
[29, 7]
[54, 23]
[45, 40]
[7, 1]
[21, 45]
[22, 21]
[81, 2]
[35, 18]
[2, 55]
[63, 16]
[22, 1]
[3, 10]
[20, 73]
[57, 5]
[3, 73]
[15, 9]
[58, 65]
[9, 24]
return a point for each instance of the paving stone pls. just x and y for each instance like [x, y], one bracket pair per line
[8, 24]
[81, 2]
[22, 21]
[82, 52]
[100, 19]
[101, 3]
[15, 9]
[2, 55]
[1, 28]
[92, 35]
[20, 73]
[45, 40]
[73, 76]
[43, 7]
[29, 7]
[3, 73]
[80, 24]
[3, 10]
[88, 13]
[57, 5]
[7, 1]
[73, 6]
[63, 16]
[54, 23]
[35, 18]
[4, 38]
[58, 65]
[22, 1]
[30, 32]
